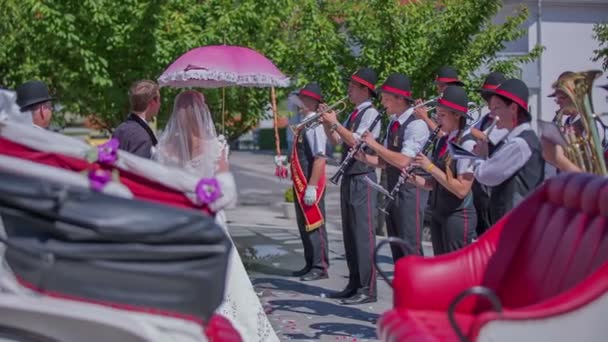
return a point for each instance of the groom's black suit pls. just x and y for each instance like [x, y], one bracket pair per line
[135, 136]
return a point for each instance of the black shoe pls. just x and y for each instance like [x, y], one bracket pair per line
[359, 298]
[301, 272]
[314, 274]
[346, 293]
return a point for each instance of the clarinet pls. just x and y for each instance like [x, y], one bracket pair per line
[350, 156]
[426, 149]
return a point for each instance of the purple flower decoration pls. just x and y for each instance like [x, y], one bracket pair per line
[108, 153]
[208, 190]
[99, 178]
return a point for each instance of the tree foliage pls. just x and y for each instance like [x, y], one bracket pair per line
[601, 54]
[90, 51]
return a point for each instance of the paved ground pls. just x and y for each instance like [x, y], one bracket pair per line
[270, 248]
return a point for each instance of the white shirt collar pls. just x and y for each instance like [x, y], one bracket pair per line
[364, 104]
[518, 130]
[570, 120]
[403, 116]
[453, 134]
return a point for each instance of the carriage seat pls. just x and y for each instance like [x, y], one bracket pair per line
[545, 264]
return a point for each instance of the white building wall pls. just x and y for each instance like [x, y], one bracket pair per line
[567, 35]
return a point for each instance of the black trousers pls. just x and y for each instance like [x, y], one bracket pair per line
[405, 219]
[481, 200]
[315, 241]
[451, 231]
[358, 206]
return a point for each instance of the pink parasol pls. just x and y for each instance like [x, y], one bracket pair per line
[218, 66]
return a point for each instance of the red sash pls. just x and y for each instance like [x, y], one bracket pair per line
[312, 213]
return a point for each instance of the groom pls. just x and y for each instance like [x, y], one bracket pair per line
[134, 134]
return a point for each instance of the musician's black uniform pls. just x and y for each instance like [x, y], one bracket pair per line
[406, 135]
[454, 220]
[311, 145]
[358, 205]
[358, 208]
[481, 193]
[516, 168]
[308, 145]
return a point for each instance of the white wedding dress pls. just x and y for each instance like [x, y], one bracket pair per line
[241, 304]
[190, 141]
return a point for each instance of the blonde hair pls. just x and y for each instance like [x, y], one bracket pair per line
[141, 93]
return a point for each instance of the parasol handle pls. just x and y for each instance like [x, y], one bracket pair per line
[281, 170]
[277, 140]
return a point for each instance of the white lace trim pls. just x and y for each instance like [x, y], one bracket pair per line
[209, 78]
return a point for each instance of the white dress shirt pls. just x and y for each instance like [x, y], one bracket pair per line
[506, 160]
[415, 136]
[317, 140]
[366, 120]
[464, 166]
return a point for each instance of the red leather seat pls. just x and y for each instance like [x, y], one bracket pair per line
[546, 261]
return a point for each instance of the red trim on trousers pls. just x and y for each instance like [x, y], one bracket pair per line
[371, 240]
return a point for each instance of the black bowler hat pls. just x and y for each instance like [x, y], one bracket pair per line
[514, 90]
[32, 93]
[455, 98]
[448, 75]
[493, 80]
[563, 74]
[366, 77]
[312, 90]
[398, 84]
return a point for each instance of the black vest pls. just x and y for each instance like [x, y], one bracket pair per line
[305, 155]
[357, 167]
[394, 142]
[509, 193]
[442, 200]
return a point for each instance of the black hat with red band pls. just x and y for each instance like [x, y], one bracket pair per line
[514, 90]
[448, 75]
[493, 80]
[313, 91]
[455, 99]
[366, 77]
[398, 84]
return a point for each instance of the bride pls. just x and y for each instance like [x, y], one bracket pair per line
[189, 141]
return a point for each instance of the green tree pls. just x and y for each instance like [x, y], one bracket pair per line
[421, 36]
[601, 54]
[90, 51]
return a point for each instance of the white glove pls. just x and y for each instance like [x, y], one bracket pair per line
[280, 160]
[310, 196]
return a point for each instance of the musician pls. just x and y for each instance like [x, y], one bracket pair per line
[454, 217]
[554, 154]
[404, 140]
[481, 193]
[516, 167]
[446, 76]
[308, 175]
[357, 202]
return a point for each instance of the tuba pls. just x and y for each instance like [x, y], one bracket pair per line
[584, 148]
